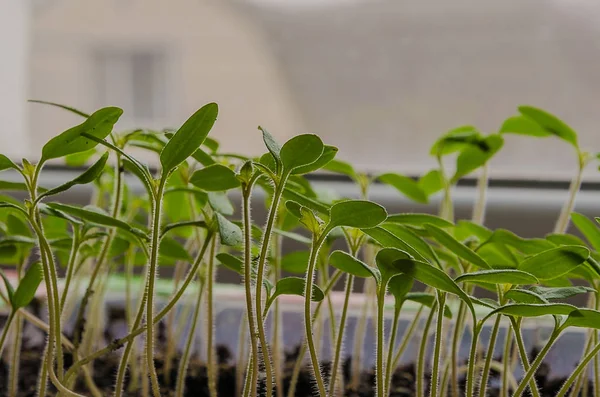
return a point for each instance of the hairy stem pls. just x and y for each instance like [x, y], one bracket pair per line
[506, 359]
[420, 388]
[489, 356]
[211, 364]
[476, 330]
[456, 339]
[438, 344]
[379, 369]
[478, 216]
[516, 325]
[340, 334]
[578, 370]
[5, 330]
[406, 337]
[562, 222]
[390, 350]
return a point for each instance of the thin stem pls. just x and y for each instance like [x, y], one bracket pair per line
[185, 358]
[506, 359]
[73, 255]
[5, 330]
[391, 345]
[472, 359]
[489, 356]
[578, 370]
[536, 363]
[478, 216]
[13, 383]
[340, 334]
[239, 370]
[252, 373]
[379, 369]
[258, 303]
[314, 252]
[438, 344]
[210, 351]
[456, 339]
[516, 325]
[276, 340]
[420, 389]
[583, 376]
[359, 335]
[562, 222]
[154, 248]
[406, 336]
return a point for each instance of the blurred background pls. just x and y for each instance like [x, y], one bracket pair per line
[380, 79]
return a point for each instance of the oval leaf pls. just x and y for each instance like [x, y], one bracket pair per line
[295, 286]
[356, 213]
[27, 286]
[550, 123]
[551, 293]
[399, 286]
[405, 185]
[507, 276]
[300, 151]
[524, 126]
[584, 318]
[328, 154]
[474, 157]
[6, 163]
[555, 262]
[231, 262]
[588, 228]
[419, 220]
[99, 124]
[189, 137]
[347, 263]
[535, 310]
[216, 177]
[230, 233]
[524, 296]
[295, 262]
[456, 247]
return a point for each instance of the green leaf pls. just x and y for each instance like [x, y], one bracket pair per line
[524, 126]
[220, 203]
[456, 247]
[139, 173]
[295, 262]
[292, 236]
[474, 157]
[211, 144]
[231, 262]
[79, 159]
[99, 125]
[348, 264]
[16, 226]
[426, 299]
[584, 318]
[340, 167]
[328, 154]
[534, 309]
[272, 146]
[188, 137]
[550, 123]
[230, 233]
[181, 224]
[6, 163]
[414, 242]
[405, 185]
[28, 285]
[588, 228]
[389, 261]
[555, 262]
[399, 286]
[216, 177]
[525, 296]
[465, 229]
[16, 186]
[431, 183]
[388, 239]
[8, 251]
[528, 246]
[564, 239]
[7, 285]
[203, 158]
[455, 140]
[506, 276]
[88, 176]
[64, 107]
[295, 286]
[419, 220]
[360, 214]
[96, 216]
[551, 293]
[171, 248]
[301, 151]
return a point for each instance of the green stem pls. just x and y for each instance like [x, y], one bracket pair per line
[506, 359]
[210, 351]
[241, 356]
[391, 345]
[478, 216]
[314, 252]
[420, 389]
[276, 340]
[537, 362]
[252, 373]
[379, 369]
[583, 376]
[185, 357]
[489, 356]
[340, 334]
[476, 330]
[5, 330]
[406, 337]
[13, 383]
[565, 214]
[298, 366]
[516, 325]
[438, 344]
[73, 255]
[152, 269]
[578, 370]
[456, 339]
[264, 252]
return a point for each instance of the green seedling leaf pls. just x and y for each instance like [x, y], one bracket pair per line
[6, 163]
[528, 246]
[419, 220]
[220, 203]
[485, 302]
[405, 185]
[507, 276]
[360, 214]
[551, 293]
[90, 175]
[525, 296]
[300, 151]
[273, 147]
[389, 263]
[348, 264]
[8, 251]
[203, 158]
[456, 140]
[79, 159]
[584, 318]
[328, 154]
[550, 123]
[64, 107]
[231, 262]
[588, 228]
[458, 248]
[295, 286]
[555, 262]
[292, 236]
[216, 177]
[431, 183]
[211, 144]
[523, 126]
[295, 262]
[465, 229]
[98, 217]
[16, 186]
[413, 242]
[99, 125]
[27, 286]
[388, 239]
[340, 167]
[230, 233]
[564, 239]
[10, 291]
[426, 299]
[474, 157]
[534, 310]
[307, 202]
[189, 137]
[17, 227]
[141, 175]
[181, 224]
[399, 286]
[171, 248]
